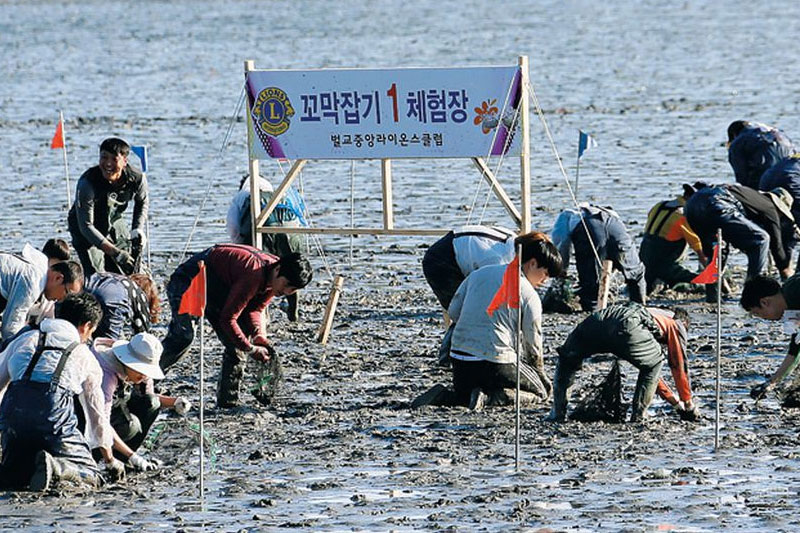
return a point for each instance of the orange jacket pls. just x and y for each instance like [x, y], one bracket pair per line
[675, 335]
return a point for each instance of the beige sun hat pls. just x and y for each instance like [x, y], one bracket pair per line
[141, 354]
[783, 201]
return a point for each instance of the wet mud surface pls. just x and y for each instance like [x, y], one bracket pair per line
[655, 83]
[340, 449]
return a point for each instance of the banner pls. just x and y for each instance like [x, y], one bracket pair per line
[383, 114]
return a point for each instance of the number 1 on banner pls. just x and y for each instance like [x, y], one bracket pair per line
[392, 92]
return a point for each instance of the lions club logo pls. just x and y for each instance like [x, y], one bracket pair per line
[272, 111]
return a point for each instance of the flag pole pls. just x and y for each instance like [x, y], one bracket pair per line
[147, 218]
[201, 264]
[719, 336]
[519, 352]
[64, 152]
[578, 165]
[141, 151]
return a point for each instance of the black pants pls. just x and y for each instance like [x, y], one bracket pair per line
[441, 269]
[468, 375]
[612, 241]
[93, 259]
[624, 330]
[33, 417]
[662, 261]
[133, 420]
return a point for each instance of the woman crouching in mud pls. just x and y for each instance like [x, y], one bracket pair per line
[484, 343]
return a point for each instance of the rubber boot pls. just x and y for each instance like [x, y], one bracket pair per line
[508, 396]
[636, 291]
[477, 400]
[50, 472]
[46, 470]
[292, 304]
[437, 395]
[711, 293]
[561, 386]
[230, 378]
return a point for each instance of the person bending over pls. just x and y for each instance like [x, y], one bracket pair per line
[766, 298]
[241, 282]
[633, 333]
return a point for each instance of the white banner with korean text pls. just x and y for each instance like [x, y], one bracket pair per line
[384, 114]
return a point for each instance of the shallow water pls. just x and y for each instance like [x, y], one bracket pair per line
[656, 85]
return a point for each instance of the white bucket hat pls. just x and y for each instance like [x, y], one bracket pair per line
[141, 354]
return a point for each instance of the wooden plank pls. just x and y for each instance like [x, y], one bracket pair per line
[280, 191]
[330, 310]
[388, 202]
[498, 190]
[253, 170]
[525, 145]
[356, 231]
[605, 280]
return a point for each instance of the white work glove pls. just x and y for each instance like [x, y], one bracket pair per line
[115, 470]
[139, 234]
[137, 462]
[182, 405]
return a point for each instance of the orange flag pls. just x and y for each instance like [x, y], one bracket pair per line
[193, 301]
[508, 293]
[58, 138]
[710, 273]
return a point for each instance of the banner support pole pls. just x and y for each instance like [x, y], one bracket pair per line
[525, 148]
[517, 415]
[255, 192]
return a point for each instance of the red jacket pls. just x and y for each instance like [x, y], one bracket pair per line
[244, 271]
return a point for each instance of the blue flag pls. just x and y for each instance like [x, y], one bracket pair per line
[141, 151]
[585, 142]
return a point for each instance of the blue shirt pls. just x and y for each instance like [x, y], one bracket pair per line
[125, 307]
[754, 150]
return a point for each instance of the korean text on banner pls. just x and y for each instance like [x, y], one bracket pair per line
[390, 114]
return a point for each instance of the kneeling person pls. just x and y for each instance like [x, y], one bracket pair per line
[484, 346]
[634, 333]
[124, 364]
[46, 368]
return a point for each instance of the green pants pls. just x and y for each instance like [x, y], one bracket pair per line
[624, 330]
[93, 259]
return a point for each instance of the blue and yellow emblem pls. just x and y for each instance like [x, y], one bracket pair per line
[272, 111]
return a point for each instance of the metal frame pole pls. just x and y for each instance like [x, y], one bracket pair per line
[519, 359]
[202, 405]
[719, 338]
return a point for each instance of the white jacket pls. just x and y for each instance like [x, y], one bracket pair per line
[22, 281]
[479, 246]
